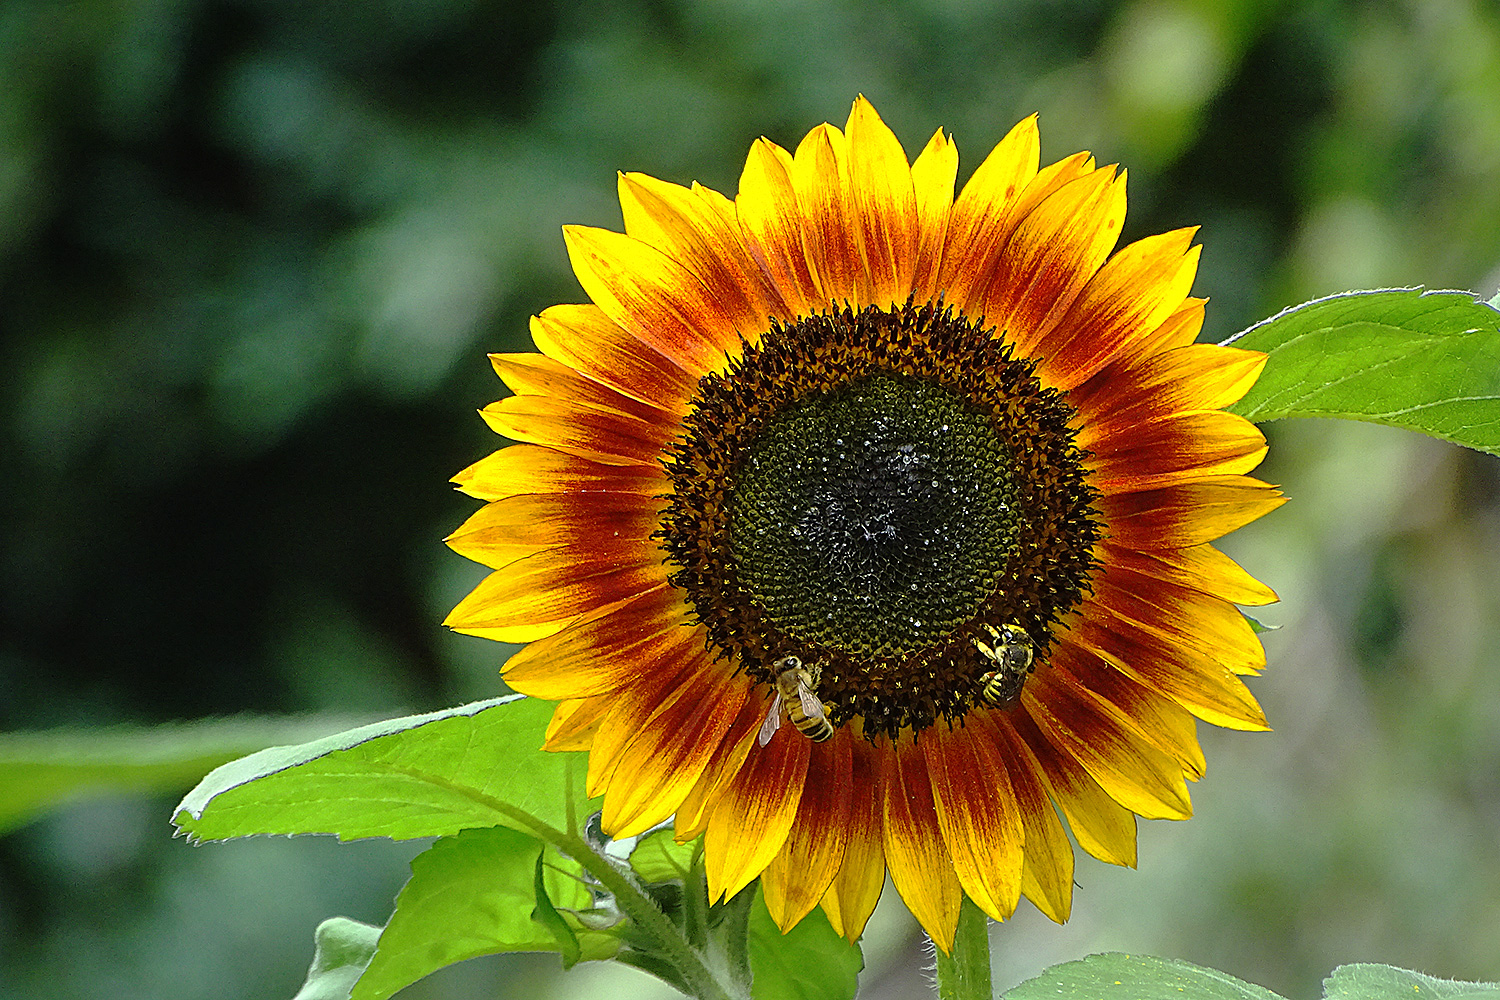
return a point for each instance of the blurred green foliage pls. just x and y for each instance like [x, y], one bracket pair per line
[252, 253]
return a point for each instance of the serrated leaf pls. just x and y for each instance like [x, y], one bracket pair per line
[659, 858]
[43, 770]
[812, 961]
[471, 895]
[429, 775]
[1115, 976]
[1425, 361]
[341, 950]
[1386, 982]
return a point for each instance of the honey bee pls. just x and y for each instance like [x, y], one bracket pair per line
[1013, 653]
[795, 685]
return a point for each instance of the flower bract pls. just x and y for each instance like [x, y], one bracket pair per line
[937, 473]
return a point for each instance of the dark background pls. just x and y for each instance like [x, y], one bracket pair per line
[253, 252]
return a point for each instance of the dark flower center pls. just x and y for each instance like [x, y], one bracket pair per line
[876, 518]
[868, 491]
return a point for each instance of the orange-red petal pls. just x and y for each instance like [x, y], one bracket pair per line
[586, 340]
[800, 874]
[885, 206]
[751, 813]
[652, 296]
[855, 890]
[672, 749]
[921, 867]
[978, 814]
[1186, 514]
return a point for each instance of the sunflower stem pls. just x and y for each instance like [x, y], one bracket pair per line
[965, 974]
[734, 932]
[695, 901]
[702, 980]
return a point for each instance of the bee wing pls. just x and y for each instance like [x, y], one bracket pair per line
[772, 723]
[811, 706]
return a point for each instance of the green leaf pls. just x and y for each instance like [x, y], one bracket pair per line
[342, 949]
[1257, 626]
[42, 770]
[1425, 361]
[659, 858]
[810, 962]
[472, 895]
[1115, 976]
[545, 914]
[428, 775]
[1385, 982]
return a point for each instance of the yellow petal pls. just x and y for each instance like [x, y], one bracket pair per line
[1153, 717]
[1186, 514]
[574, 723]
[1102, 826]
[855, 890]
[1057, 248]
[601, 654]
[558, 584]
[686, 226]
[985, 214]
[932, 177]
[1181, 380]
[772, 224]
[583, 338]
[885, 204]
[595, 433]
[728, 757]
[820, 175]
[526, 468]
[1129, 298]
[652, 296]
[1136, 775]
[800, 874]
[752, 813]
[672, 748]
[1047, 873]
[1201, 567]
[978, 815]
[921, 868]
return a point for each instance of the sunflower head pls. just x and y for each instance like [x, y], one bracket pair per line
[958, 457]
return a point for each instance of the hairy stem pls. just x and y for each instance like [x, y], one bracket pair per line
[704, 982]
[965, 974]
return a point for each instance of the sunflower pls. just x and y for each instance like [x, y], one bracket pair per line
[932, 480]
